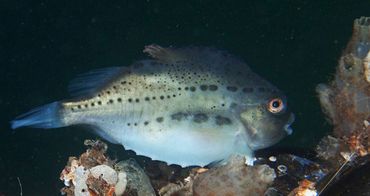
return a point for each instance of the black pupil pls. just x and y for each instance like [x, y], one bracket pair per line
[275, 104]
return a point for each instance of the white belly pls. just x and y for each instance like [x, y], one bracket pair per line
[182, 143]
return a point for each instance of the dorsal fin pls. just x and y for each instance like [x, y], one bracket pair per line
[195, 55]
[91, 82]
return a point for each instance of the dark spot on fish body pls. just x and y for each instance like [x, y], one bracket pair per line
[212, 87]
[179, 116]
[146, 123]
[99, 102]
[111, 101]
[137, 100]
[247, 90]
[147, 99]
[159, 119]
[192, 88]
[130, 100]
[200, 117]
[232, 88]
[119, 99]
[220, 120]
[203, 87]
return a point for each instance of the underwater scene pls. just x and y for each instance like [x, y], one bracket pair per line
[185, 98]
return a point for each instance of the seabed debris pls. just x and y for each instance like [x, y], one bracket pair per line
[346, 102]
[93, 173]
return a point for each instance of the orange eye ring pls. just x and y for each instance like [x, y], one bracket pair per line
[275, 105]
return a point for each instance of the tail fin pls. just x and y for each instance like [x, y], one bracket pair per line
[47, 116]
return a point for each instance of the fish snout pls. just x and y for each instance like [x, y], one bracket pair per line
[287, 127]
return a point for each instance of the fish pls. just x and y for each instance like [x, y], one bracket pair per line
[189, 106]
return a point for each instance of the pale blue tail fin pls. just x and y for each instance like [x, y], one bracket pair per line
[47, 116]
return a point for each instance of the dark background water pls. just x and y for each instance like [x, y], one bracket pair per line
[44, 44]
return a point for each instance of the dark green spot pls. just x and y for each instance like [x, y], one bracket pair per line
[137, 100]
[192, 88]
[130, 100]
[99, 102]
[212, 87]
[111, 101]
[119, 99]
[203, 87]
[220, 120]
[162, 97]
[159, 119]
[146, 123]
[200, 117]
[147, 99]
[179, 116]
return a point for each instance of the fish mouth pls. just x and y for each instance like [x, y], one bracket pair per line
[287, 127]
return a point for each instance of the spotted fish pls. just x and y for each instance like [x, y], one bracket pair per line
[186, 106]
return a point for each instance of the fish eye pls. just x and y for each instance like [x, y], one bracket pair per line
[275, 105]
